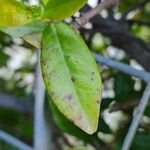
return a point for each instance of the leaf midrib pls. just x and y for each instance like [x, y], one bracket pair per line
[63, 56]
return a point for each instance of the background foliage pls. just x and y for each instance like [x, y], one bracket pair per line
[122, 33]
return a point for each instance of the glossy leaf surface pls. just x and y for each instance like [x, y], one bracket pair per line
[15, 13]
[71, 76]
[61, 9]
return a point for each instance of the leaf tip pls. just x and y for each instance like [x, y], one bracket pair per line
[90, 130]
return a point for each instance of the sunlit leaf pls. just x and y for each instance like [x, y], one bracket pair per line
[71, 76]
[15, 13]
[61, 9]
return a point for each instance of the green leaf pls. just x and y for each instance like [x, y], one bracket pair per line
[124, 87]
[147, 110]
[67, 126]
[71, 76]
[3, 59]
[141, 142]
[44, 2]
[24, 30]
[61, 9]
[77, 148]
[103, 127]
[34, 39]
[15, 13]
[106, 102]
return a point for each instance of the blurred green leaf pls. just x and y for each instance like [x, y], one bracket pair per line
[6, 146]
[26, 129]
[123, 7]
[106, 102]
[16, 123]
[26, 69]
[3, 59]
[99, 43]
[77, 148]
[123, 87]
[61, 9]
[103, 127]
[141, 141]
[44, 2]
[147, 110]
[142, 32]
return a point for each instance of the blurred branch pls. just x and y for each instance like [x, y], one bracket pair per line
[123, 105]
[138, 22]
[134, 7]
[14, 141]
[16, 103]
[137, 118]
[93, 12]
[123, 67]
[42, 134]
[134, 47]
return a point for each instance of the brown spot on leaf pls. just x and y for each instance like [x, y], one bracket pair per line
[43, 75]
[98, 90]
[68, 57]
[92, 79]
[73, 79]
[98, 102]
[80, 116]
[44, 62]
[68, 97]
[52, 93]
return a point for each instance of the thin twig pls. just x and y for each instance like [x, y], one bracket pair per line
[123, 67]
[136, 120]
[14, 141]
[93, 12]
[42, 136]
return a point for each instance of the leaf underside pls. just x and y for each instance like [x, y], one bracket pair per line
[71, 76]
[28, 29]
